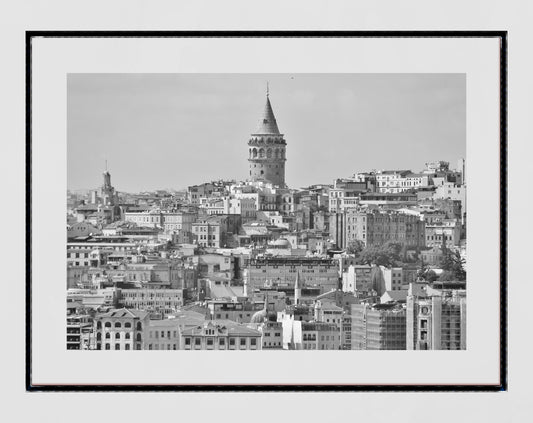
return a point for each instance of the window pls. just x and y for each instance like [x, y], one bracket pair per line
[107, 335]
[117, 346]
[117, 335]
[232, 341]
[118, 325]
[253, 342]
[139, 337]
[127, 346]
[221, 342]
[197, 341]
[107, 346]
[187, 341]
[243, 342]
[107, 324]
[127, 325]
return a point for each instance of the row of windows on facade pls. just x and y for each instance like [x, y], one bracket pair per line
[156, 334]
[118, 325]
[269, 166]
[392, 190]
[408, 183]
[150, 295]
[313, 337]
[208, 244]
[208, 237]
[156, 346]
[293, 268]
[271, 344]
[221, 341]
[219, 315]
[78, 264]
[117, 336]
[157, 304]
[205, 228]
[150, 219]
[117, 346]
[323, 347]
[303, 271]
[439, 237]
[77, 255]
[268, 140]
[269, 153]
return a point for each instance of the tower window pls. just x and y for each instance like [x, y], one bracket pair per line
[262, 172]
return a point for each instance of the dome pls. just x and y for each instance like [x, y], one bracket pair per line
[281, 243]
[259, 316]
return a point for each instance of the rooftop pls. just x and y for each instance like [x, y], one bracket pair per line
[268, 124]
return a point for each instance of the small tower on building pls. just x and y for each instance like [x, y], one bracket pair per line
[266, 150]
[107, 192]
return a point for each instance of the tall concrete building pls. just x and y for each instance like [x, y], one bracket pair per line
[376, 228]
[436, 322]
[266, 149]
[378, 327]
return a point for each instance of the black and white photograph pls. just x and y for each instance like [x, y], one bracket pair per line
[286, 212]
[306, 219]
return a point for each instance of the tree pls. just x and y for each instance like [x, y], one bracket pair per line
[453, 266]
[387, 254]
[447, 276]
[355, 247]
[430, 276]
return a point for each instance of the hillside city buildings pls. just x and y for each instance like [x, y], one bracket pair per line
[374, 261]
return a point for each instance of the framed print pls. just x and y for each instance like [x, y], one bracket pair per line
[266, 211]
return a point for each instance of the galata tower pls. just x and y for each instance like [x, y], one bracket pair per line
[267, 150]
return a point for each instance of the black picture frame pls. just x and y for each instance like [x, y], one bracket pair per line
[501, 35]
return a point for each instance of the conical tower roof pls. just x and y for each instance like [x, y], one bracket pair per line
[268, 123]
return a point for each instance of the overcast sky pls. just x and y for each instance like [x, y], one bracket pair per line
[162, 131]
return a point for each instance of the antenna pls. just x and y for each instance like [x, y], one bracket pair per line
[106, 165]
[267, 90]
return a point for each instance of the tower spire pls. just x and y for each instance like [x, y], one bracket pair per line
[267, 90]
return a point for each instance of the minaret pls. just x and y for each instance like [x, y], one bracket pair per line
[266, 149]
[297, 289]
